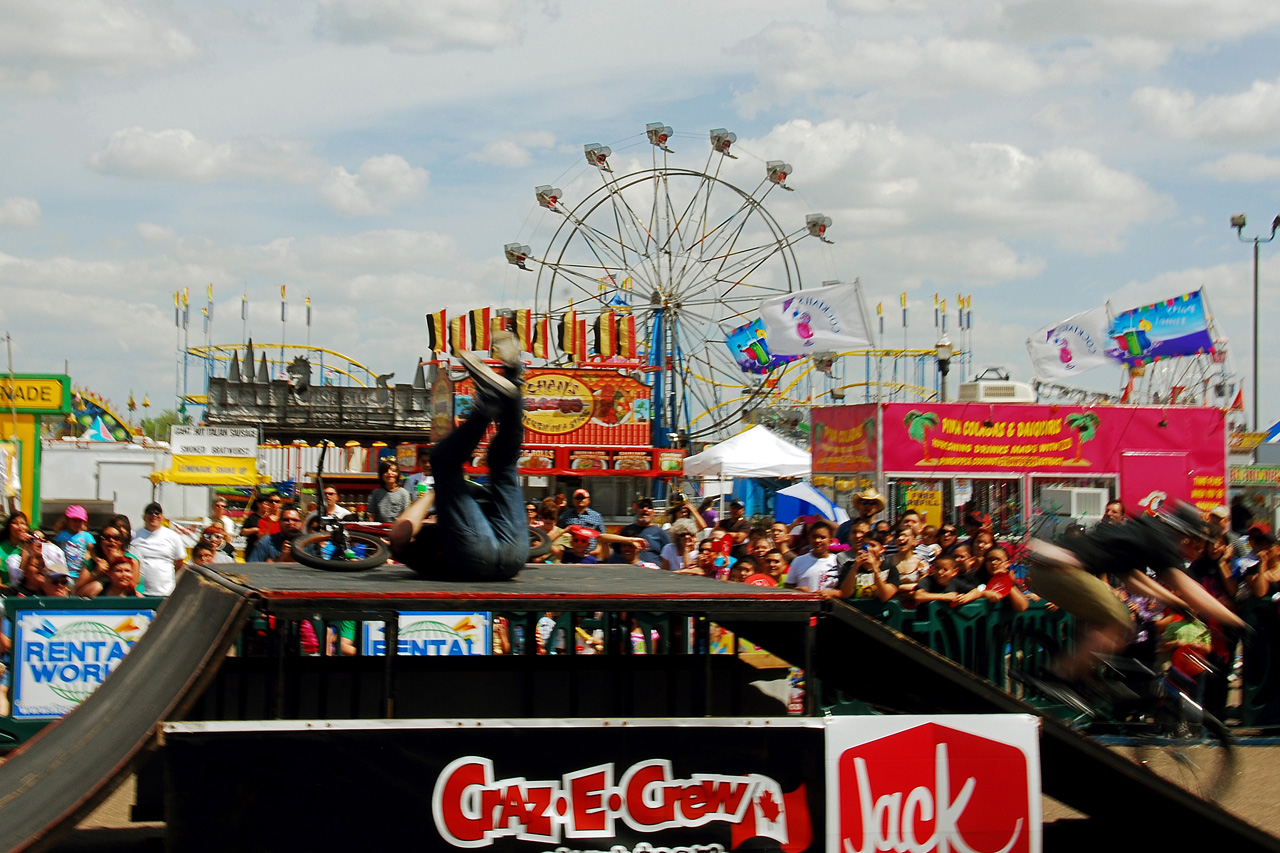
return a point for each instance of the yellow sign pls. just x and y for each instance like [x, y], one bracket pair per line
[212, 471]
[927, 502]
[556, 403]
[36, 394]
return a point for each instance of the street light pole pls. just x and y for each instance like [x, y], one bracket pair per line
[1238, 222]
[944, 350]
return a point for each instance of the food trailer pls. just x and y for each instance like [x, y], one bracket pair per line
[1018, 460]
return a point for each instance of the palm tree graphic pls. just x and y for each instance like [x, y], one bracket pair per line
[1086, 425]
[918, 425]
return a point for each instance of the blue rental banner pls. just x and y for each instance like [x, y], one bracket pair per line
[434, 633]
[1168, 329]
[60, 657]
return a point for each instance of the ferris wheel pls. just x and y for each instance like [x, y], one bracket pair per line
[690, 256]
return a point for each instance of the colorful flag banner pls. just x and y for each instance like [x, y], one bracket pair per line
[606, 329]
[1168, 329]
[580, 339]
[627, 336]
[524, 329]
[542, 339]
[568, 328]
[822, 320]
[1076, 344]
[458, 334]
[480, 328]
[437, 331]
[749, 344]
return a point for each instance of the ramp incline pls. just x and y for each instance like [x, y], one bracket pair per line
[64, 772]
[872, 662]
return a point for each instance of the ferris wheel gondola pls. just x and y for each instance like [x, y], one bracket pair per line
[689, 256]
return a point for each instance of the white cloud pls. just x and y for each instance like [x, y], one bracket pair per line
[885, 179]
[796, 59]
[378, 185]
[1171, 20]
[153, 233]
[1243, 167]
[179, 155]
[43, 44]
[513, 151]
[1252, 115]
[19, 212]
[416, 27]
[351, 278]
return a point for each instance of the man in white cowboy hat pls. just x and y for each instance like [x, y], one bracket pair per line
[866, 505]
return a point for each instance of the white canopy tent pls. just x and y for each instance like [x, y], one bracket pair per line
[757, 452]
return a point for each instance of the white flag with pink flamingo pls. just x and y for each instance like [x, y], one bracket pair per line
[828, 319]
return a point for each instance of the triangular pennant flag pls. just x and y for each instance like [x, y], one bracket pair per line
[97, 431]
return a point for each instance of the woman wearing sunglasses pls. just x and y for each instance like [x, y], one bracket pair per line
[111, 549]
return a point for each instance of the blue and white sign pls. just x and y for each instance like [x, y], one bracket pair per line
[434, 633]
[60, 657]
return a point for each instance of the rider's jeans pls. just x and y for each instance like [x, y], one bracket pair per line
[488, 541]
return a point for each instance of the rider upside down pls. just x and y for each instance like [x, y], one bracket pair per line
[481, 532]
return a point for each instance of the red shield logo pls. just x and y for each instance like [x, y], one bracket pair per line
[933, 788]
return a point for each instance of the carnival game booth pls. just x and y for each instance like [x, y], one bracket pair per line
[1016, 461]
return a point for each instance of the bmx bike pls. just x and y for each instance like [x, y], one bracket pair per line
[356, 546]
[1155, 714]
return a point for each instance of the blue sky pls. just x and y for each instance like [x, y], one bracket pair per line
[1041, 155]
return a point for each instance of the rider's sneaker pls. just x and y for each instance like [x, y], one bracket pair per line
[485, 377]
[506, 349]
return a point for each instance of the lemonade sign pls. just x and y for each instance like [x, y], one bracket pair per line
[61, 657]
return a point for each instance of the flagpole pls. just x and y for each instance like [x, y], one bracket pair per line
[186, 348]
[177, 349]
[308, 322]
[244, 316]
[284, 315]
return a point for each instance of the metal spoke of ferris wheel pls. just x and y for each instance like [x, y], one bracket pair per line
[736, 275]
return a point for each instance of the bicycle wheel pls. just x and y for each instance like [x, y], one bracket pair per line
[1204, 763]
[539, 544]
[315, 550]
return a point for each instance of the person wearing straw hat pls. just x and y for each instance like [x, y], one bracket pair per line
[865, 506]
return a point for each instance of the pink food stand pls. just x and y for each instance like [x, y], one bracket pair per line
[1012, 459]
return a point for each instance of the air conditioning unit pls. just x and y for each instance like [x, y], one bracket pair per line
[1082, 505]
[996, 392]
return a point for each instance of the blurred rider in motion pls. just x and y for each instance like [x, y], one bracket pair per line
[1072, 576]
